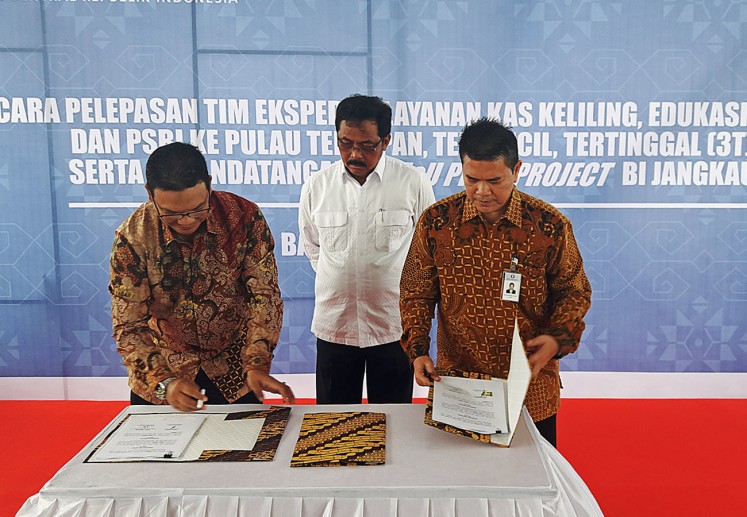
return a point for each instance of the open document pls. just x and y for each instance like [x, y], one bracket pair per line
[517, 384]
[179, 437]
[478, 405]
[154, 436]
[486, 409]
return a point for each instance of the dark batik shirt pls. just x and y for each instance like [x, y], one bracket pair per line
[211, 303]
[456, 261]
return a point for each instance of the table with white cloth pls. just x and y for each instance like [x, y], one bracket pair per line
[428, 472]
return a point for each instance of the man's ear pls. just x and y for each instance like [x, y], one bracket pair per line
[150, 194]
[517, 168]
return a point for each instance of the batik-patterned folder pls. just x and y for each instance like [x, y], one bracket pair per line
[445, 427]
[341, 439]
[517, 384]
[276, 417]
[272, 420]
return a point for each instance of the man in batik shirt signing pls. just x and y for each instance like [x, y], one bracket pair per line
[195, 298]
[467, 250]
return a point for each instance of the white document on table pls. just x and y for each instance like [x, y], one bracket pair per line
[148, 437]
[220, 434]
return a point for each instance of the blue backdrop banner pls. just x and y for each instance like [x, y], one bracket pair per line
[631, 118]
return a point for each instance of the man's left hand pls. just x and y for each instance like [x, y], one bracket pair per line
[259, 381]
[539, 351]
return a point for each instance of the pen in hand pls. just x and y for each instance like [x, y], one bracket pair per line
[199, 401]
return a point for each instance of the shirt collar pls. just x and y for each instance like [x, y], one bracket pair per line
[513, 212]
[380, 167]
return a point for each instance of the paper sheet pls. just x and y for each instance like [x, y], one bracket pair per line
[519, 377]
[217, 433]
[154, 436]
[477, 405]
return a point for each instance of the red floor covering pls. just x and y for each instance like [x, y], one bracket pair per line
[639, 457]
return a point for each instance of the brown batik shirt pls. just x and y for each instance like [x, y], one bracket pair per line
[456, 261]
[211, 303]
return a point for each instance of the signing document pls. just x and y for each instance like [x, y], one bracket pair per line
[477, 405]
[147, 437]
[485, 406]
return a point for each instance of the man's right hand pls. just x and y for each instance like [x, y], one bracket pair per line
[183, 394]
[425, 371]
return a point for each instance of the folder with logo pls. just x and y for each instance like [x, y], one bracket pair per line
[479, 406]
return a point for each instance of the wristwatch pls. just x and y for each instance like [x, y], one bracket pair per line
[161, 388]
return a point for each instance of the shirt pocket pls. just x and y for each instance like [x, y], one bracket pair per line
[534, 288]
[333, 230]
[391, 228]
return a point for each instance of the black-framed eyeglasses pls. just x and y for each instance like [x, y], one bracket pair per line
[195, 215]
[347, 145]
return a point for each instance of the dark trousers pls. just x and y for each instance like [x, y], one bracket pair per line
[547, 428]
[340, 368]
[211, 392]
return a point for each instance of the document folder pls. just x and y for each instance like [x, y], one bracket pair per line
[514, 389]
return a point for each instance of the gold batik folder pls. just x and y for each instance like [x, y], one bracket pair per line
[341, 439]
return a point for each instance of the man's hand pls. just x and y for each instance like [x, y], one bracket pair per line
[425, 371]
[539, 351]
[259, 381]
[183, 394]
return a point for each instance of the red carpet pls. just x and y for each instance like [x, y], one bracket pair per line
[639, 457]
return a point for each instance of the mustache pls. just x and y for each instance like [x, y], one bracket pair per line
[357, 163]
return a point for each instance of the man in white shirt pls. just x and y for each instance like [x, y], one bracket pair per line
[356, 221]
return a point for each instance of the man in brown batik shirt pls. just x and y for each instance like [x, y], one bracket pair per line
[194, 285]
[461, 249]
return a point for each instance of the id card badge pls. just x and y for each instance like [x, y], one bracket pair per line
[511, 286]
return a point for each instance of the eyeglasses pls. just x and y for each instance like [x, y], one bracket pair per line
[347, 145]
[175, 218]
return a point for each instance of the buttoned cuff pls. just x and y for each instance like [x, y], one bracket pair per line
[566, 344]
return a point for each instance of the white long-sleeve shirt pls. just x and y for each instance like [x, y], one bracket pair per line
[357, 237]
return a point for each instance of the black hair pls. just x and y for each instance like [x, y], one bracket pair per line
[488, 139]
[176, 166]
[357, 108]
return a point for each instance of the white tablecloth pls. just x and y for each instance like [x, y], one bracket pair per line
[428, 473]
